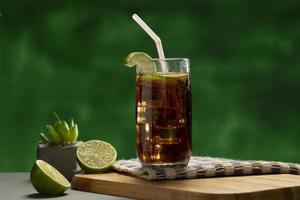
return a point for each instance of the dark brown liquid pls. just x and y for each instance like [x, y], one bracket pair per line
[163, 118]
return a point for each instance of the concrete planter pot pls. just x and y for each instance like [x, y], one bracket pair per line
[63, 158]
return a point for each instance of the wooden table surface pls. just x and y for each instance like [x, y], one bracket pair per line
[265, 187]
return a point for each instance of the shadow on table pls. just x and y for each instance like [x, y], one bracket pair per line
[40, 196]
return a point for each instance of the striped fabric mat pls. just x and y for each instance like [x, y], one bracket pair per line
[202, 167]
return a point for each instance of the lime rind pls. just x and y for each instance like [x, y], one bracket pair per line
[96, 156]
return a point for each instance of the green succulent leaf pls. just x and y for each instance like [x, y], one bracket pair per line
[44, 139]
[56, 115]
[73, 134]
[71, 124]
[55, 136]
[63, 130]
[57, 125]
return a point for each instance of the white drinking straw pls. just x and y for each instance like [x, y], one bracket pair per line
[156, 39]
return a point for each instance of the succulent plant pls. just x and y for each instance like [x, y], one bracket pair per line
[60, 132]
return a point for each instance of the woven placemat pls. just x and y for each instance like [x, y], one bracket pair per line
[203, 167]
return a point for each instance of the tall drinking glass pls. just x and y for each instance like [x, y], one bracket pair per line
[163, 113]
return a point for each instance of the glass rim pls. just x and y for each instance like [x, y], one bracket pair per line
[170, 59]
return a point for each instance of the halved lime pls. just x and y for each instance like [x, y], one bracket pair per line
[96, 156]
[47, 180]
[140, 59]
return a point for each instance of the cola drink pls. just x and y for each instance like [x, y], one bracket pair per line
[163, 118]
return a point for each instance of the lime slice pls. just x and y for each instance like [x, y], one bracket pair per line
[47, 180]
[140, 59]
[96, 156]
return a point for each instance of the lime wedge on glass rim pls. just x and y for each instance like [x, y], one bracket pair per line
[96, 156]
[140, 59]
[47, 180]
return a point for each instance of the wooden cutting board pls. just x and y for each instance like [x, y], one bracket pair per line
[264, 187]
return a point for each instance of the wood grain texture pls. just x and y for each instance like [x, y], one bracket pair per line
[263, 187]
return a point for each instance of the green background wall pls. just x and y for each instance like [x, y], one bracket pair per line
[66, 56]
